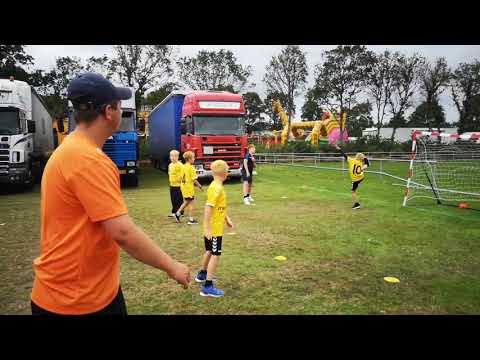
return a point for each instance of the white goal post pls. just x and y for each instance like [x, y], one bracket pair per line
[444, 167]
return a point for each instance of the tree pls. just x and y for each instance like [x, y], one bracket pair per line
[276, 123]
[380, 84]
[11, 55]
[102, 65]
[254, 108]
[156, 97]
[143, 66]
[465, 90]
[342, 76]
[360, 118]
[435, 77]
[287, 74]
[12, 61]
[428, 115]
[214, 70]
[406, 75]
[312, 110]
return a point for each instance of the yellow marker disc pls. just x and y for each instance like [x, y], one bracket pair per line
[232, 233]
[280, 258]
[391, 279]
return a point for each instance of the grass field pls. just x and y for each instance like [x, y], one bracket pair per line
[336, 257]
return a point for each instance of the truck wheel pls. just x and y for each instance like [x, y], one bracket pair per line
[133, 180]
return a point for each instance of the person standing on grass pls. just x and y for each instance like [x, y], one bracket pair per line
[356, 168]
[84, 219]
[189, 181]
[248, 167]
[175, 170]
[215, 219]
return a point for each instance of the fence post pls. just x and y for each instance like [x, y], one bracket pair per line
[292, 158]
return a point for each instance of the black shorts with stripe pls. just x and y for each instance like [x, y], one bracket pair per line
[214, 245]
[355, 184]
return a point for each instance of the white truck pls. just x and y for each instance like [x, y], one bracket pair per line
[26, 133]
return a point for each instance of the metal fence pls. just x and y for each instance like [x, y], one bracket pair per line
[391, 164]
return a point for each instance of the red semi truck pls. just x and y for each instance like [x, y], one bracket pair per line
[211, 124]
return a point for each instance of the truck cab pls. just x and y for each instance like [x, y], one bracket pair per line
[26, 139]
[122, 147]
[213, 127]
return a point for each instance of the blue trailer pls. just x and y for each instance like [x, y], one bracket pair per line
[164, 125]
[122, 147]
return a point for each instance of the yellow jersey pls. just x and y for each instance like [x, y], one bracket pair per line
[189, 175]
[175, 171]
[217, 199]
[355, 169]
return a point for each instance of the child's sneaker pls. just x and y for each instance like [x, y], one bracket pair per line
[211, 291]
[246, 201]
[250, 198]
[171, 215]
[177, 217]
[356, 206]
[192, 222]
[202, 277]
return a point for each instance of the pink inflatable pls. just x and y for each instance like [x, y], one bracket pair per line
[335, 136]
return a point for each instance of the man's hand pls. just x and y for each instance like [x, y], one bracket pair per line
[180, 273]
[336, 146]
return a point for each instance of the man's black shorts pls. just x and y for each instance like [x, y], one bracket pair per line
[246, 178]
[214, 245]
[355, 184]
[116, 307]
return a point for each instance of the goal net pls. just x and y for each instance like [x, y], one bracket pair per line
[444, 167]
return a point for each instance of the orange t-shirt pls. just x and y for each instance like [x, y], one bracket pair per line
[78, 270]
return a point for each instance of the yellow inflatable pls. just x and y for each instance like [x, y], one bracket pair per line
[328, 127]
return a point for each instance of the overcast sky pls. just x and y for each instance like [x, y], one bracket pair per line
[258, 57]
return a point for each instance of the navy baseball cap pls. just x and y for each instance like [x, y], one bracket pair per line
[92, 91]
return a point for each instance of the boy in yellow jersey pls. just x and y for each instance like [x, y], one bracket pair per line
[356, 167]
[175, 170]
[215, 218]
[187, 186]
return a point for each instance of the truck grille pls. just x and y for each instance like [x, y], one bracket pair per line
[222, 151]
[4, 161]
[3, 146]
[120, 152]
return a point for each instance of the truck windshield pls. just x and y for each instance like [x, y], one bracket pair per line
[219, 125]
[9, 122]
[127, 123]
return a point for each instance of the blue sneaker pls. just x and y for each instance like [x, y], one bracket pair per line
[202, 277]
[211, 291]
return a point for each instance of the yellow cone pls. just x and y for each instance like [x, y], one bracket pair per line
[280, 258]
[391, 279]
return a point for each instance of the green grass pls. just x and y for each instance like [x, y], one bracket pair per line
[336, 257]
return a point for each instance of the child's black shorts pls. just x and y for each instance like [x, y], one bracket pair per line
[214, 245]
[355, 184]
[190, 198]
[246, 178]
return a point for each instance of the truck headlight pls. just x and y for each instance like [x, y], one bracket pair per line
[130, 163]
[16, 156]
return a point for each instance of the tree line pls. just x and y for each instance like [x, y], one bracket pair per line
[373, 89]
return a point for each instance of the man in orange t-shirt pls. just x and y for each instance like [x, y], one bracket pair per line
[84, 219]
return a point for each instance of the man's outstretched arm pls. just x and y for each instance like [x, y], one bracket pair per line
[139, 245]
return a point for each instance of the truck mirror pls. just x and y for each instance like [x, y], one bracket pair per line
[60, 127]
[31, 126]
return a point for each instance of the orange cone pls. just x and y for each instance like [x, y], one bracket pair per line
[463, 206]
